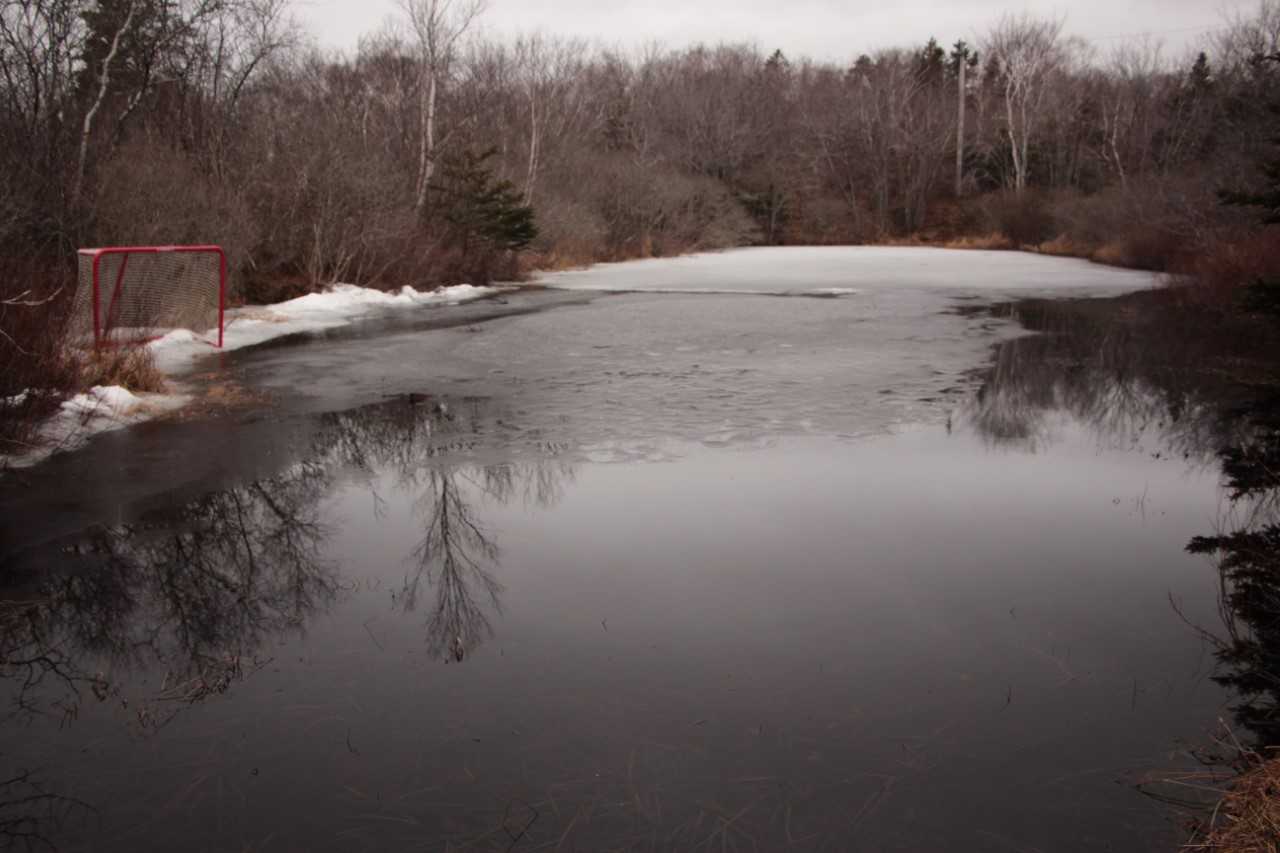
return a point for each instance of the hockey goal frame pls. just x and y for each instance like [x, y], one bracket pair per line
[101, 335]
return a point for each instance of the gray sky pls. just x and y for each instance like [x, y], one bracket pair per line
[823, 29]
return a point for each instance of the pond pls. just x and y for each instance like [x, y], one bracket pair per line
[805, 549]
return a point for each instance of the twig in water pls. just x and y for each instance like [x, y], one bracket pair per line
[516, 838]
[369, 631]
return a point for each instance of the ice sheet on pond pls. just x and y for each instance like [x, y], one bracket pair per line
[851, 270]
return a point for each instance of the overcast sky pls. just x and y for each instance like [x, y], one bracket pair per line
[835, 30]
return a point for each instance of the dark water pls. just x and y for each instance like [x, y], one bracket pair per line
[645, 572]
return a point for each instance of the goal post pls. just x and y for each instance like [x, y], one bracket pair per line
[133, 294]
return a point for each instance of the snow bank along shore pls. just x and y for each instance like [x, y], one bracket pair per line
[105, 408]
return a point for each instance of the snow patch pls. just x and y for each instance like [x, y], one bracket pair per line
[104, 400]
[106, 408]
[102, 408]
[337, 306]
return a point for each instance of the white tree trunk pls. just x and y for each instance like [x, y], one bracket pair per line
[960, 132]
[427, 143]
[532, 175]
[1014, 147]
[104, 82]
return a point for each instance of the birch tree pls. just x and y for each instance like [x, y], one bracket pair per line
[438, 26]
[1027, 52]
[104, 86]
[550, 75]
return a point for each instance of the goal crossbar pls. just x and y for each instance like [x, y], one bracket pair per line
[134, 293]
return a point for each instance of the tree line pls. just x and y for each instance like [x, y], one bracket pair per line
[430, 154]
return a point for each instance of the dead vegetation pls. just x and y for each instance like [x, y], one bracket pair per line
[35, 369]
[38, 368]
[1247, 820]
[130, 367]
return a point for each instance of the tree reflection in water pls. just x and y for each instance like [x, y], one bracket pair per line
[421, 440]
[193, 593]
[192, 597]
[1124, 377]
[196, 592]
[1247, 551]
[1118, 377]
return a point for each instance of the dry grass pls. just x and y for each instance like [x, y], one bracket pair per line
[227, 394]
[992, 241]
[1066, 246]
[1112, 253]
[554, 261]
[131, 367]
[1248, 818]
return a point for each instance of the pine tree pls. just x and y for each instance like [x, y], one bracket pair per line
[1263, 295]
[1200, 78]
[483, 209]
[931, 64]
[961, 52]
[1267, 195]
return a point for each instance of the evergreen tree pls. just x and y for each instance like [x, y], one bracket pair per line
[961, 52]
[141, 30]
[931, 64]
[777, 65]
[1267, 194]
[1263, 294]
[480, 208]
[1200, 78]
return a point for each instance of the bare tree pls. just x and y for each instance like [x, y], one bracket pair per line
[1028, 51]
[1131, 102]
[550, 73]
[437, 26]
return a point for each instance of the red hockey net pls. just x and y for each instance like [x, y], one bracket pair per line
[133, 294]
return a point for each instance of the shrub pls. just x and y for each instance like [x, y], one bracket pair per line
[35, 371]
[1026, 219]
[152, 194]
[1226, 264]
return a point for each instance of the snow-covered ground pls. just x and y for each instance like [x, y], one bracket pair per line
[105, 408]
[341, 305]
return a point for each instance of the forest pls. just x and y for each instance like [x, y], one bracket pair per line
[433, 155]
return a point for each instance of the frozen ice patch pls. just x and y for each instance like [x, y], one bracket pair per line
[836, 270]
[831, 292]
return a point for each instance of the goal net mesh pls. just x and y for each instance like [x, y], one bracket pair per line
[133, 295]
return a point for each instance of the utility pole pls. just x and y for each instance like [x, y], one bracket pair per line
[961, 62]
